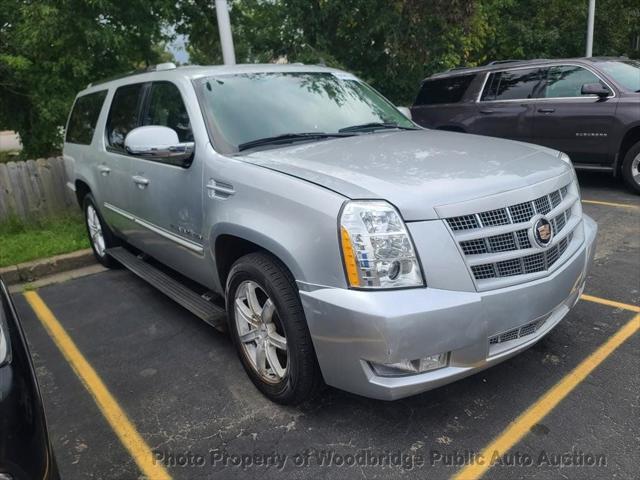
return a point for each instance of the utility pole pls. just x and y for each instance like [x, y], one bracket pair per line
[590, 21]
[224, 27]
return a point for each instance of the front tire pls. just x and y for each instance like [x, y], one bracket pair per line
[269, 329]
[101, 237]
[631, 168]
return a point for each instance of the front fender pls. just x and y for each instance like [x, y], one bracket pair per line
[293, 219]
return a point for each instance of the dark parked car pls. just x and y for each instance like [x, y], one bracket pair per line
[588, 108]
[25, 449]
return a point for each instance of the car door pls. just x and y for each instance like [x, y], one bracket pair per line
[114, 164]
[167, 198]
[81, 154]
[579, 125]
[505, 106]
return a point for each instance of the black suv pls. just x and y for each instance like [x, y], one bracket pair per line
[588, 108]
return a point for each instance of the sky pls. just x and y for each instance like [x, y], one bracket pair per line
[178, 49]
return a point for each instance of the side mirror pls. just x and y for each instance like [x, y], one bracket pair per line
[159, 143]
[405, 111]
[595, 89]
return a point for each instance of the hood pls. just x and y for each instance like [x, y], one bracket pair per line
[415, 170]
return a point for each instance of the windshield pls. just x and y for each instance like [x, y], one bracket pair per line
[626, 73]
[244, 108]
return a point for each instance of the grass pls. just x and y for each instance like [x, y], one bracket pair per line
[24, 241]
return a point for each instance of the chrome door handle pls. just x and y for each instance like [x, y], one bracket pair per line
[546, 110]
[104, 170]
[487, 111]
[140, 181]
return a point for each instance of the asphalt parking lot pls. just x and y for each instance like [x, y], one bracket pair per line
[145, 389]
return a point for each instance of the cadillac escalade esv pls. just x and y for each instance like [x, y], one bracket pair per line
[335, 240]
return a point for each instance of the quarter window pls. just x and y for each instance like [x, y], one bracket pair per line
[123, 116]
[567, 81]
[512, 85]
[84, 116]
[444, 90]
[167, 109]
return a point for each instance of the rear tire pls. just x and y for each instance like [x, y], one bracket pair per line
[631, 168]
[269, 329]
[100, 235]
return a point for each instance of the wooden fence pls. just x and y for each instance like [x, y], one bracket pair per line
[34, 188]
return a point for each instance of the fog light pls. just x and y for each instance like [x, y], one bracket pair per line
[411, 367]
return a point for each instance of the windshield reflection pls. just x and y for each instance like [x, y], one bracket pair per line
[252, 106]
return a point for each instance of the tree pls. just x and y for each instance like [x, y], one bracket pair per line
[557, 28]
[49, 50]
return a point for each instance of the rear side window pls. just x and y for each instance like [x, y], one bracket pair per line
[567, 81]
[166, 108]
[512, 85]
[84, 116]
[443, 90]
[123, 115]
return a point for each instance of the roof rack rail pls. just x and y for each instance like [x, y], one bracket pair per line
[499, 62]
[151, 68]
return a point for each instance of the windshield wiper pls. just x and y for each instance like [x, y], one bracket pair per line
[288, 138]
[374, 126]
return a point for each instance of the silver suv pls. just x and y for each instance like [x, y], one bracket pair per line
[337, 240]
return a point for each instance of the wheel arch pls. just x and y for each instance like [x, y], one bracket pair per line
[229, 242]
[82, 189]
[630, 138]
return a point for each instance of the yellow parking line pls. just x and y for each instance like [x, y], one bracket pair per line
[536, 412]
[107, 404]
[612, 204]
[610, 303]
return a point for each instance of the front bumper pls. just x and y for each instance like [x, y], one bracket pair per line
[351, 328]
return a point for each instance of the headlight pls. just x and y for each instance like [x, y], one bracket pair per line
[4, 340]
[377, 250]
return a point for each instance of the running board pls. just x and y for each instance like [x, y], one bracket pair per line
[202, 308]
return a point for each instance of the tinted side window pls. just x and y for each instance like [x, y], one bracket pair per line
[123, 116]
[444, 90]
[167, 109]
[82, 122]
[512, 85]
[567, 81]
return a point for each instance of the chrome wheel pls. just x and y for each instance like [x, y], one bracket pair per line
[260, 332]
[95, 231]
[635, 169]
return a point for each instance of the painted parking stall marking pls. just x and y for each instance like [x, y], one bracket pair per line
[522, 425]
[612, 204]
[610, 303]
[113, 413]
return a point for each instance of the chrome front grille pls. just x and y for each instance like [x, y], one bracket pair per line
[537, 262]
[506, 242]
[499, 243]
[520, 213]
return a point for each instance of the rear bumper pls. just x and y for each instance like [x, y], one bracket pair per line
[352, 328]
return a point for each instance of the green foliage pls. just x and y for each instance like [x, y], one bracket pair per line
[49, 50]
[395, 43]
[24, 241]
[557, 28]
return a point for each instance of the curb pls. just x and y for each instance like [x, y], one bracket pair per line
[30, 271]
